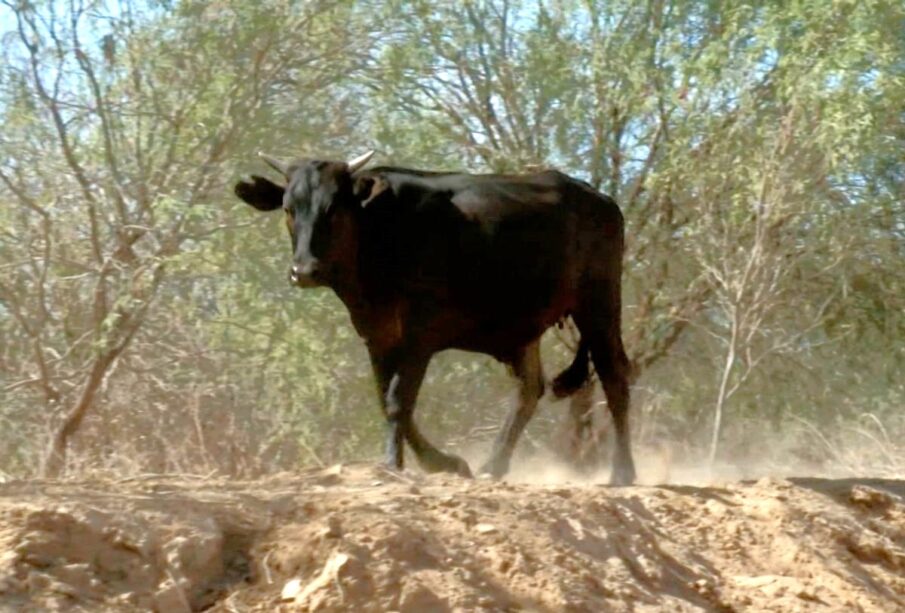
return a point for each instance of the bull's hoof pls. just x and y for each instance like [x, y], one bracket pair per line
[391, 466]
[462, 468]
[494, 469]
[445, 463]
[622, 475]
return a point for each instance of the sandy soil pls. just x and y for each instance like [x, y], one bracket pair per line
[364, 539]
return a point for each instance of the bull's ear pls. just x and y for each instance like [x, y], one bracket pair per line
[261, 193]
[367, 189]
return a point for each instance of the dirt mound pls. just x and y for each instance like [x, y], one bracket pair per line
[361, 538]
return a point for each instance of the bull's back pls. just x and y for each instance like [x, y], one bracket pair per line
[523, 241]
[489, 251]
[507, 258]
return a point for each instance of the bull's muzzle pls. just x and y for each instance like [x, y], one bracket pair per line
[306, 275]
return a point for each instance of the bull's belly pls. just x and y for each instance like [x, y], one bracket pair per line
[494, 316]
[504, 345]
[504, 336]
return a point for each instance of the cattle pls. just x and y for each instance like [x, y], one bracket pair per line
[427, 261]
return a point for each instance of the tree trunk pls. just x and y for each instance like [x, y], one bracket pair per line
[721, 396]
[55, 460]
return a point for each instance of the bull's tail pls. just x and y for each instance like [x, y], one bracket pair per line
[575, 375]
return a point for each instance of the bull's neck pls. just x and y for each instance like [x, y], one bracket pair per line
[379, 319]
[369, 289]
[349, 291]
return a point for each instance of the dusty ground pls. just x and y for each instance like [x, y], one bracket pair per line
[359, 538]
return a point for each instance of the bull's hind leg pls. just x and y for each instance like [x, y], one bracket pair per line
[599, 322]
[527, 369]
[398, 381]
[614, 363]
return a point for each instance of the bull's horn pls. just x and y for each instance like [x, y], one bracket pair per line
[277, 164]
[360, 161]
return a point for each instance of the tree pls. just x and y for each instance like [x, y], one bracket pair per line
[122, 144]
[755, 151]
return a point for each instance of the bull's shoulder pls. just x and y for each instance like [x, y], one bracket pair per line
[411, 186]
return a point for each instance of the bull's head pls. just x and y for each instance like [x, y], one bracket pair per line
[323, 207]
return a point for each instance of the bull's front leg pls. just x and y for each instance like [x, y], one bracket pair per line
[399, 377]
[398, 380]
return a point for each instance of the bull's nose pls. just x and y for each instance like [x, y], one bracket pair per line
[309, 269]
[304, 273]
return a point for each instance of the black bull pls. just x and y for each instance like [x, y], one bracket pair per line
[431, 261]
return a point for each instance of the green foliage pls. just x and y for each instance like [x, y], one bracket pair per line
[723, 130]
